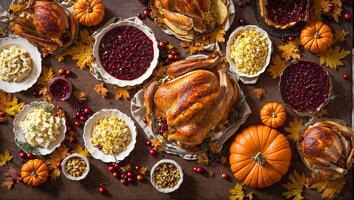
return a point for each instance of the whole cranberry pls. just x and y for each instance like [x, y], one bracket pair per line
[61, 71]
[242, 21]
[347, 16]
[29, 156]
[346, 76]
[68, 73]
[82, 118]
[140, 16]
[162, 44]
[291, 38]
[115, 174]
[195, 168]
[116, 165]
[130, 174]
[148, 143]
[130, 179]
[136, 167]
[170, 56]
[224, 176]
[77, 123]
[146, 12]
[200, 170]
[87, 110]
[101, 189]
[152, 152]
[58, 165]
[140, 177]
[22, 154]
[111, 169]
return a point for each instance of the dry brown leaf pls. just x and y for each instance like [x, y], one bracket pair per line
[277, 66]
[9, 103]
[332, 57]
[289, 51]
[101, 89]
[80, 95]
[121, 93]
[259, 92]
[340, 35]
[11, 177]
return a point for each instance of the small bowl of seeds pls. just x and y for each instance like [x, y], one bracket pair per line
[75, 167]
[166, 176]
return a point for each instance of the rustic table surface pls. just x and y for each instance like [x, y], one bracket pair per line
[194, 186]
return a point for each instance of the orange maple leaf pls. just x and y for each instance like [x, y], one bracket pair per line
[101, 89]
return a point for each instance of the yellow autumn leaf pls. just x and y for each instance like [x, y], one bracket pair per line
[9, 103]
[295, 186]
[5, 157]
[101, 89]
[80, 95]
[55, 174]
[59, 154]
[81, 150]
[46, 76]
[340, 35]
[289, 51]
[122, 93]
[336, 11]
[236, 193]
[277, 66]
[329, 189]
[81, 51]
[332, 57]
[259, 92]
[16, 7]
[294, 128]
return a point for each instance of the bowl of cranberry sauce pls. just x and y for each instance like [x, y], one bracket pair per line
[60, 89]
[127, 52]
[305, 87]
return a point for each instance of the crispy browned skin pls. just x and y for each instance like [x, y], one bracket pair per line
[196, 101]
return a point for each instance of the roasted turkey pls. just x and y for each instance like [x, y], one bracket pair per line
[199, 97]
[46, 24]
[184, 17]
[327, 148]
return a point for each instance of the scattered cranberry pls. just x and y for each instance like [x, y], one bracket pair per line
[68, 73]
[82, 118]
[130, 174]
[116, 165]
[152, 152]
[77, 123]
[101, 189]
[136, 167]
[242, 21]
[291, 38]
[130, 179]
[87, 110]
[170, 56]
[195, 168]
[199, 170]
[146, 12]
[149, 143]
[162, 44]
[346, 76]
[2, 114]
[58, 165]
[111, 169]
[61, 71]
[224, 176]
[115, 174]
[123, 176]
[347, 16]
[30, 156]
[140, 177]
[22, 154]
[140, 16]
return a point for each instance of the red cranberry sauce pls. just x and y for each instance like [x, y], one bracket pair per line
[305, 86]
[285, 11]
[126, 52]
[59, 88]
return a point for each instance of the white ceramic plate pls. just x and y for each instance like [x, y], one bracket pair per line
[12, 87]
[233, 35]
[135, 22]
[73, 178]
[20, 137]
[95, 152]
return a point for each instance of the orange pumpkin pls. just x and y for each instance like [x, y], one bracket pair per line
[89, 12]
[260, 156]
[34, 172]
[273, 114]
[316, 37]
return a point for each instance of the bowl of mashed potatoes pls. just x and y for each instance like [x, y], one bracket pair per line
[109, 135]
[20, 64]
[40, 126]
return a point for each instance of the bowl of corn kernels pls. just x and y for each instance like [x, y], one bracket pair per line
[75, 167]
[248, 51]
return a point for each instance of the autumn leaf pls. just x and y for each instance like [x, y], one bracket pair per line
[160, 71]
[277, 66]
[336, 11]
[9, 103]
[332, 57]
[236, 193]
[340, 35]
[223, 159]
[316, 10]
[101, 89]
[143, 170]
[16, 7]
[295, 186]
[7, 183]
[45, 94]
[202, 159]
[259, 92]
[289, 51]
[46, 75]
[322, 113]
[5, 157]
[80, 95]
[121, 93]
[59, 154]
[81, 150]
[70, 136]
[11, 177]
[81, 51]
[294, 128]
[3, 119]
[55, 174]
[328, 189]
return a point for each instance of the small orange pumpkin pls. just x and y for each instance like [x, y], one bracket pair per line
[273, 114]
[34, 172]
[89, 12]
[260, 156]
[316, 37]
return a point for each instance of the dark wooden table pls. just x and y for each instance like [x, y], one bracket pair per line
[195, 186]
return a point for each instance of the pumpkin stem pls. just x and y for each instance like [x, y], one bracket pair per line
[34, 174]
[259, 158]
[274, 115]
[316, 36]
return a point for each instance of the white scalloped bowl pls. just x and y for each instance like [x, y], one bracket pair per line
[13, 87]
[134, 22]
[20, 137]
[231, 39]
[166, 190]
[97, 153]
[73, 178]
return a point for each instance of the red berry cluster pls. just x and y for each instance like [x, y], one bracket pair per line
[81, 116]
[25, 155]
[169, 55]
[144, 14]
[66, 73]
[152, 151]
[126, 177]
[198, 169]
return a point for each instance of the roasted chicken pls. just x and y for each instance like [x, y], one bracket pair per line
[328, 148]
[184, 17]
[199, 97]
[46, 24]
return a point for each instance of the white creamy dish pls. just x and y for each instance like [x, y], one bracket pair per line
[41, 127]
[16, 64]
